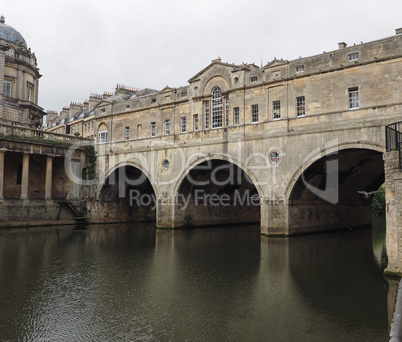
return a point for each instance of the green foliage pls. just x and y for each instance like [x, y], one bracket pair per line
[378, 204]
[90, 159]
[35, 139]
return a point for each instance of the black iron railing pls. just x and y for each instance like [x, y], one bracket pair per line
[393, 139]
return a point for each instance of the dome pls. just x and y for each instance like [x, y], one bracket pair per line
[10, 34]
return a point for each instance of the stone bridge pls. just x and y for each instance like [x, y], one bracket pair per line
[290, 145]
[300, 178]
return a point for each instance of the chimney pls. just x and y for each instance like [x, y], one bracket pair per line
[398, 31]
[342, 45]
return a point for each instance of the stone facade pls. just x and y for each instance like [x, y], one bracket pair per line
[282, 124]
[19, 78]
[393, 197]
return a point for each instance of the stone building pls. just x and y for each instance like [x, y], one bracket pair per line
[33, 175]
[19, 80]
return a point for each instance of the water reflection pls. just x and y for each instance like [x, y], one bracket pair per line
[129, 283]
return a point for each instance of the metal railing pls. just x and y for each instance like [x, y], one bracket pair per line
[25, 133]
[393, 139]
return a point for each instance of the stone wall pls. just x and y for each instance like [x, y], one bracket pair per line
[19, 213]
[393, 198]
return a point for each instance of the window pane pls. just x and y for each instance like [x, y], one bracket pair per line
[183, 125]
[216, 107]
[300, 106]
[167, 127]
[206, 114]
[254, 113]
[276, 110]
[236, 114]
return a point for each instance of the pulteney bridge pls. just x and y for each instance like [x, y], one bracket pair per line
[289, 145]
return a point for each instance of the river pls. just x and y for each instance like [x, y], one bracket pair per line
[130, 282]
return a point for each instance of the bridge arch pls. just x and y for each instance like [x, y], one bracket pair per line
[216, 190]
[320, 153]
[324, 193]
[128, 194]
[218, 156]
[132, 164]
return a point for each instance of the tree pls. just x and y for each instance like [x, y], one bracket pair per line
[378, 203]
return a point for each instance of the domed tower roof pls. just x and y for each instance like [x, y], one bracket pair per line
[10, 34]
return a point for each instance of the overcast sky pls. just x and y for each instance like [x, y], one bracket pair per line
[88, 46]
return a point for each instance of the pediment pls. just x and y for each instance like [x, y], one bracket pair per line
[276, 63]
[214, 64]
[167, 89]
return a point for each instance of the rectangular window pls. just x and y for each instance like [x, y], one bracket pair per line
[153, 101]
[300, 106]
[353, 56]
[276, 108]
[227, 111]
[253, 79]
[236, 116]
[300, 68]
[195, 121]
[206, 114]
[128, 107]
[183, 125]
[92, 125]
[7, 88]
[254, 113]
[353, 98]
[184, 93]
[127, 133]
[167, 127]
[103, 110]
[102, 137]
[153, 129]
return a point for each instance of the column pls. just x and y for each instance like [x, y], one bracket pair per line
[1, 174]
[48, 179]
[25, 177]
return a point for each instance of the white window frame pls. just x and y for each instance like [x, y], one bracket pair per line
[353, 96]
[236, 116]
[7, 88]
[102, 136]
[254, 113]
[353, 56]
[276, 110]
[226, 111]
[206, 114]
[195, 122]
[300, 106]
[299, 68]
[217, 107]
[153, 129]
[253, 79]
[167, 127]
[183, 122]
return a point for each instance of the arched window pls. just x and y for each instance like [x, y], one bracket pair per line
[102, 133]
[216, 107]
